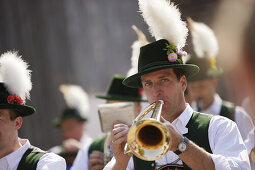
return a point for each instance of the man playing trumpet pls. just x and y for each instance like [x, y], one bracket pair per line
[199, 141]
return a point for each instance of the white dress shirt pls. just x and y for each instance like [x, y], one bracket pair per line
[250, 143]
[86, 140]
[228, 149]
[81, 161]
[48, 161]
[242, 118]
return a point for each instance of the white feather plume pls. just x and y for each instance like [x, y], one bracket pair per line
[141, 41]
[15, 75]
[76, 98]
[204, 40]
[186, 58]
[164, 21]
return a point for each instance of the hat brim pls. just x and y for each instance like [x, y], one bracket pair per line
[120, 98]
[57, 122]
[24, 110]
[203, 76]
[134, 81]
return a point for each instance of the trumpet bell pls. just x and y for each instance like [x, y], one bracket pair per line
[149, 139]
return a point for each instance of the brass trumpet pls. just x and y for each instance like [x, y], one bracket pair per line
[149, 139]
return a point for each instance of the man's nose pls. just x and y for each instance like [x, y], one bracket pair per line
[157, 91]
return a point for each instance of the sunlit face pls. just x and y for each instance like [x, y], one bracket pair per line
[164, 85]
[72, 128]
[8, 129]
[204, 90]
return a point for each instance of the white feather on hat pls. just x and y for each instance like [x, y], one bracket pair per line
[75, 98]
[141, 41]
[15, 75]
[204, 40]
[164, 21]
[186, 58]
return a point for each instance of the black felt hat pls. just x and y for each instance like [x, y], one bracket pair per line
[205, 47]
[157, 56]
[117, 91]
[16, 84]
[208, 69]
[77, 104]
[69, 113]
[8, 101]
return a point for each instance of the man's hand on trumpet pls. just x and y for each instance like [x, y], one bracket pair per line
[175, 135]
[119, 139]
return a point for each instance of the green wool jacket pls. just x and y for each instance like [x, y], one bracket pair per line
[198, 133]
[97, 145]
[30, 158]
[228, 110]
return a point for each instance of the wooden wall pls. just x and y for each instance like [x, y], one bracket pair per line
[82, 42]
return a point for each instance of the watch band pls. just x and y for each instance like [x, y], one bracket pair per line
[177, 152]
[186, 141]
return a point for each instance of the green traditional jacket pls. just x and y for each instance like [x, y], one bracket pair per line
[97, 145]
[30, 158]
[228, 110]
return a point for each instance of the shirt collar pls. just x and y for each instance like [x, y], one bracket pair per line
[16, 156]
[215, 107]
[180, 122]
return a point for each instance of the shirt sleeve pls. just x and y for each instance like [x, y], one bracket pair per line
[110, 164]
[229, 151]
[51, 161]
[243, 121]
[250, 141]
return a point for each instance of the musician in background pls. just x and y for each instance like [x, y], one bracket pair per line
[99, 150]
[202, 87]
[71, 122]
[199, 141]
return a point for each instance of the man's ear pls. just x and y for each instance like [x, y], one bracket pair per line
[183, 82]
[18, 122]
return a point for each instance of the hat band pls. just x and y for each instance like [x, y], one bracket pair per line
[154, 64]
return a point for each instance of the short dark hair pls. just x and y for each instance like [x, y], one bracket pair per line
[14, 114]
[178, 72]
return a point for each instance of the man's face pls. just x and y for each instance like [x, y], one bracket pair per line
[8, 128]
[204, 90]
[72, 128]
[164, 85]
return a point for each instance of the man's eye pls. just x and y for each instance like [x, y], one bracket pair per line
[164, 80]
[147, 84]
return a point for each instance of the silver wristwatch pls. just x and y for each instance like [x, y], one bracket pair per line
[182, 147]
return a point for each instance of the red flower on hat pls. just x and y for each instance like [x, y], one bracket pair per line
[14, 99]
